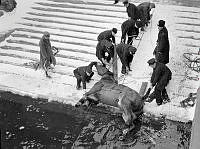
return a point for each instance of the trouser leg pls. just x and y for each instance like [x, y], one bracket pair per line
[130, 59]
[123, 69]
[165, 96]
[158, 96]
[78, 79]
[130, 40]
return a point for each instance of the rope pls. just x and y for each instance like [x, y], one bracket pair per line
[193, 64]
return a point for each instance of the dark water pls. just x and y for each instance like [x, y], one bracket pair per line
[36, 124]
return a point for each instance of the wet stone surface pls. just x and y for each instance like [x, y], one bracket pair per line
[30, 124]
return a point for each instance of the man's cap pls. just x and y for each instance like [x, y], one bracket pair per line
[151, 61]
[125, 2]
[46, 34]
[114, 30]
[161, 23]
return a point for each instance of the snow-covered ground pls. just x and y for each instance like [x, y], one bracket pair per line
[74, 28]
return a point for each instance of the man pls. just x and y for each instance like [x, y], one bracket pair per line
[105, 47]
[125, 53]
[84, 74]
[46, 54]
[144, 9]
[130, 28]
[108, 35]
[161, 51]
[131, 10]
[160, 79]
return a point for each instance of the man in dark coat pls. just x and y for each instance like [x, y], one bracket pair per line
[130, 28]
[46, 54]
[160, 79]
[144, 9]
[108, 35]
[84, 74]
[162, 49]
[105, 47]
[125, 53]
[131, 10]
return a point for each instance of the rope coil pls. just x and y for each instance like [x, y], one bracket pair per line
[192, 63]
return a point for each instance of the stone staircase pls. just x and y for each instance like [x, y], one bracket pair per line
[74, 27]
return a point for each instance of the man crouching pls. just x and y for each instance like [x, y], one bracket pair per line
[84, 74]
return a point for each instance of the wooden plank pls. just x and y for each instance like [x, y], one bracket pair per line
[115, 70]
[143, 88]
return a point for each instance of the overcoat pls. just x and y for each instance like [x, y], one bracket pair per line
[106, 35]
[161, 76]
[46, 53]
[162, 48]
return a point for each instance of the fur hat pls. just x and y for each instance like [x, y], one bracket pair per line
[114, 30]
[161, 23]
[46, 34]
[151, 61]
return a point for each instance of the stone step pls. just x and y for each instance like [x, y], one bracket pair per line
[80, 10]
[57, 32]
[70, 20]
[56, 38]
[35, 57]
[35, 42]
[101, 5]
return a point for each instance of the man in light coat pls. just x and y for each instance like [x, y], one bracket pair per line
[46, 54]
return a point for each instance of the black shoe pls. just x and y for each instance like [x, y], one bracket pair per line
[159, 104]
[78, 87]
[142, 29]
[123, 72]
[48, 76]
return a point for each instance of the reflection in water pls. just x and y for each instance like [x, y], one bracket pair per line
[34, 124]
